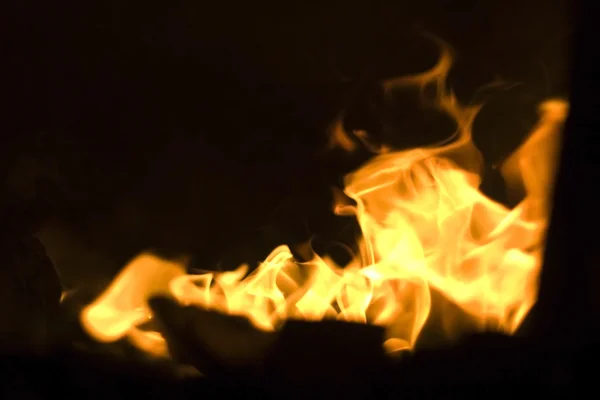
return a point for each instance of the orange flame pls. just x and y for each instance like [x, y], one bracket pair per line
[425, 225]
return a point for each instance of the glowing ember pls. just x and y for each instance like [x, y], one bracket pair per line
[425, 225]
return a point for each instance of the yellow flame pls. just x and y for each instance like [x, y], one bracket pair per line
[124, 304]
[425, 226]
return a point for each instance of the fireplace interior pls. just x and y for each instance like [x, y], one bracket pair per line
[199, 132]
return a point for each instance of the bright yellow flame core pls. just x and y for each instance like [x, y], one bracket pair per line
[425, 225]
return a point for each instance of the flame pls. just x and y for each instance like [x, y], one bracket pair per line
[120, 308]
[425, 226]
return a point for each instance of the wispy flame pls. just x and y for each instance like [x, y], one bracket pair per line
[425, 225]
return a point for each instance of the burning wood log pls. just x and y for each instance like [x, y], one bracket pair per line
[336, 354]
[327, 356]
[31, 288]
[29, 308]
[215, 343]
[30, 293]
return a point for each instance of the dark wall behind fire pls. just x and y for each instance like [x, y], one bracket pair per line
[182, 128]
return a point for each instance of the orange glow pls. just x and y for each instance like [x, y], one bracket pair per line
[425, 226]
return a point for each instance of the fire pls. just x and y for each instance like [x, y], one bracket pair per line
[425, 226]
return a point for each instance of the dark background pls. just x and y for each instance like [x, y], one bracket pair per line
[181, 128]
